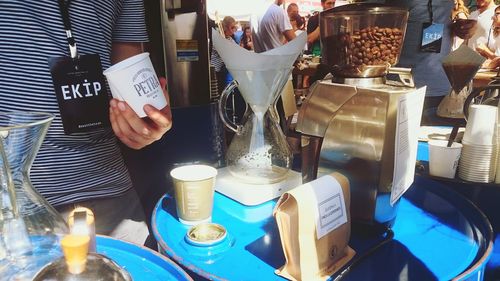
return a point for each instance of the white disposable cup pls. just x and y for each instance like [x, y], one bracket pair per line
[194, 193]
[443, 160]
[480, 128]
[134, 81]
[115, 92]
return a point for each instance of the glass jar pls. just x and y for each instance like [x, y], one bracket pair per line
[362, 40]
[30, 228]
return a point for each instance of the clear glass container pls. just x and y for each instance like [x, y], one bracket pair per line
[362, 40]
[30, 228]
[259, 152]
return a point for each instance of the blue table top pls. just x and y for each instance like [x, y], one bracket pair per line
[140, 262]
[484, 196]
[435, 239]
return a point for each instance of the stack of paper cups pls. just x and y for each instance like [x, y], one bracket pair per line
[479, 152]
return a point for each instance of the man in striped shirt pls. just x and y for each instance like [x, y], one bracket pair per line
[83, 169]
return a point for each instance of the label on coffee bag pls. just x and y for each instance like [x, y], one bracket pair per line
[331, 205]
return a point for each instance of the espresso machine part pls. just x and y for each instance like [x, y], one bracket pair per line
[362, 40]
[186, 48]
[357, 139]
[197, 134]
[348, 121]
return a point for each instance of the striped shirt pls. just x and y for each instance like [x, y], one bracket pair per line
[215, 59]
[68, 168]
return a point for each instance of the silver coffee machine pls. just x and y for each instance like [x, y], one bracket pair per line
[197, 134]
[348, 120]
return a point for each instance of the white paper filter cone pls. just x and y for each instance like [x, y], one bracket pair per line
[261, 76]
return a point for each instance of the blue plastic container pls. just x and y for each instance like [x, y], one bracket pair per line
[438, 235]
[142, 263]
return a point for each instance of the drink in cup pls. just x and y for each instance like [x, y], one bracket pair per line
[194, 193]
[443, 160]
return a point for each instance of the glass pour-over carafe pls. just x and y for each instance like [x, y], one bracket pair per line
[30, 227]
[259, 152]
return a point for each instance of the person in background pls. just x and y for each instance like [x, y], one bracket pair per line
[490, 50]
[482, 40]
[460, 11]
[292, 9]
[273, 29]
[84, 168]
[238, 33]
[313, 41]
[426, 67]
[297, 23]
[492, 53]
[313, 28]
[228, 29]
[246, 38]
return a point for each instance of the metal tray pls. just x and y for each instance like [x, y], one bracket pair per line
[142, 263]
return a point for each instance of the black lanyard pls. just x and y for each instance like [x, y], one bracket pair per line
[64, 9]
[429, 10]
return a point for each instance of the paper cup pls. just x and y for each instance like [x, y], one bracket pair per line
[114, 92]
[194, 193]
[134, 81]
[480, 128]
[443, 160]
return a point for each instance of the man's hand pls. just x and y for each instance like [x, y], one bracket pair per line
[135, 132]
[492, 63]
[484, 51]
[464, 28]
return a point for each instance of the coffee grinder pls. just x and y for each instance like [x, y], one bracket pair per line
[349, 120]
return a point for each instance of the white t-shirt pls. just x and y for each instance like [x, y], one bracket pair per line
[268, 34]
[484, 22]
[494, 43]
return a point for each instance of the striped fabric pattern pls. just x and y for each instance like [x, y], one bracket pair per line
[78, 167]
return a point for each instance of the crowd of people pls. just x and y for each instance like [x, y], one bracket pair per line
[275, 28]
[482, 34]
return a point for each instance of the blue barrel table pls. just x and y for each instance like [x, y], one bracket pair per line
[484, 195]
[438, 235]
[142, 263]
